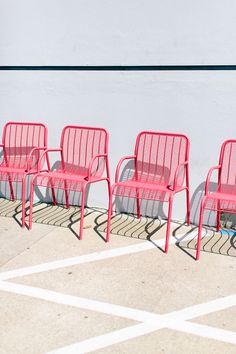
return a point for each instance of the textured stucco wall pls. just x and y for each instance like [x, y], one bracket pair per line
[199, 104]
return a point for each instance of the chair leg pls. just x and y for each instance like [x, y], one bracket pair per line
[23, 202]
[31, 203]
[11, 188]
[218, 217]
[109, 211]
[200, 229]
[52, 188]
[168, 223]
[112, 211]
[188, 207]
[138, 204]
[53, 195]
[82, 212]
[66, 194]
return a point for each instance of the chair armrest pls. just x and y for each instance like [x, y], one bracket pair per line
[28, 167]
[91, 165]
[209, 177]
[46, 152]
[119, 166]
[177, 171]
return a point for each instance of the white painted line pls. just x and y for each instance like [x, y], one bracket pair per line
[127, 333]
[204, 331]
[79, 302]
[118, 310]
[151, 320]
[92, 257]
[205, 308]
[175, 320]
[103, 341]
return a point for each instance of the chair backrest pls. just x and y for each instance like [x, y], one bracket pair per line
[79, 145]
[19, 139]
[158, 155]
[227, 177]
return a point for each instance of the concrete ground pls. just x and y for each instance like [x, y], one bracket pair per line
[62, 295]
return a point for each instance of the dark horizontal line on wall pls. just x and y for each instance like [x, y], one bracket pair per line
[118, 68]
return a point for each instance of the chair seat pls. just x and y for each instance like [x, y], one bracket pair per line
[16, 173]
[221, 201]
[146, 190]
[60, 180]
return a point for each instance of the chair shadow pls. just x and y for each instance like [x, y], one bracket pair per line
[46, 214]
[9, 208]
[128, 225]
[149, 208]
[221, 243]
[59, 215]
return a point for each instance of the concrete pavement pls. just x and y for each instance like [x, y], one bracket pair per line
[62, 295]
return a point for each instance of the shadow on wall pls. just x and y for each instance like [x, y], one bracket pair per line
[74, 197]
[227, 219]
[42, 194]
[155, 209]
[149, 208]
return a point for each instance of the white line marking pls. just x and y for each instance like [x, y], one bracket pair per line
[118, 310]
[175, 320]
[204, 331]
[172, 320]
[205, 308]
[79, 302]
[124, 334]
[105, 340]
[92, 257]
[157, 321]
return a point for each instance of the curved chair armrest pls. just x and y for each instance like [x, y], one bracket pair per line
[177, 171]
[45, 152]
[218, 167]
[30, 157]
[91, 165]
[119, 165]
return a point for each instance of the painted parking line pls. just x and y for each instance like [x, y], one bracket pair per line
[132, 332]
[93, 257]
[118, 310]
[151, 321]
[206, 308]
[204, 331]
[79, 302]
[106, 340]
[176, 320]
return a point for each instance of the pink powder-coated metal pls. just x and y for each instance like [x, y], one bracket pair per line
[160, 171]
[22, 146]
[223, 199]
[83, 159]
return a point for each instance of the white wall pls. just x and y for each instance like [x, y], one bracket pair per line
[100, 32]
[199, 104]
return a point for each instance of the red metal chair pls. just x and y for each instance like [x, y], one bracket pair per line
[84, 156]
[160, 171]
[224, 198]
[22, 146]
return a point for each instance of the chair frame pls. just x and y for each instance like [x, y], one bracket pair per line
[27, 171]
[208, 194]
[172, 190]
[87, 180]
